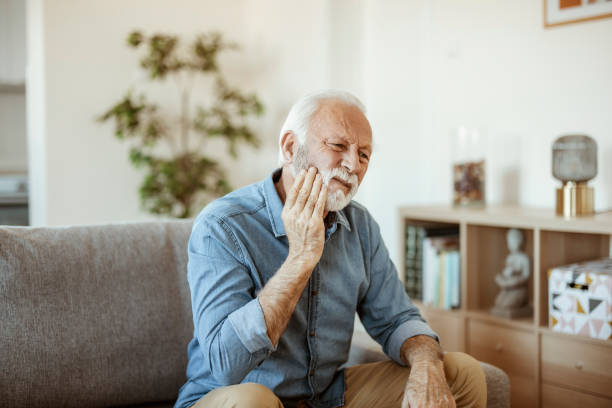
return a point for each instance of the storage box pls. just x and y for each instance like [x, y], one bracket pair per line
[580, 299]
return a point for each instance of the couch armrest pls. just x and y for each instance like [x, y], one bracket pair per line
[498, 386]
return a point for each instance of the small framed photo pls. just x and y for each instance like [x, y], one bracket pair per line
[557, 12]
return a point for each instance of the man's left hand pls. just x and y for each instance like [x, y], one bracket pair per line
[427, 386]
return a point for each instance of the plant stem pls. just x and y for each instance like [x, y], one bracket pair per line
[200, 146]
[185, 120]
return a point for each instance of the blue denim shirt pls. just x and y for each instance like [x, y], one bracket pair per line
[237, 244]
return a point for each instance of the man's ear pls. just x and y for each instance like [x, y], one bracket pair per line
[288, 144]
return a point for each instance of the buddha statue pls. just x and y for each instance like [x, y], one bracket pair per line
[513, 299]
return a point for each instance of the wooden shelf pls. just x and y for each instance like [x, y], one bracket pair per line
[574, 338]
[511, 217]
[516, 345]
[525, 323]
[434, 310]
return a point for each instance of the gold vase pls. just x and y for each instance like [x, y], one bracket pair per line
[575, 199]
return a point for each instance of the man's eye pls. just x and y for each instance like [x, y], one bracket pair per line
[337, 145]
[364, 156]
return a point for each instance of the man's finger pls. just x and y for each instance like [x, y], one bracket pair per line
[320, 207]
[314, 195]
[295, 188]
[305, 190]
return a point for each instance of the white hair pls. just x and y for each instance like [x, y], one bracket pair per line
[298, 119]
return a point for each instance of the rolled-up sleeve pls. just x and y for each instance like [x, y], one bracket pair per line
[386, 310]
[250, 326]
[228, 319]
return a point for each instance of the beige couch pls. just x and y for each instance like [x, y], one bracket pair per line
[101, 316]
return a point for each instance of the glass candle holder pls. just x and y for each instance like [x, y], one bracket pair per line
[468, 167]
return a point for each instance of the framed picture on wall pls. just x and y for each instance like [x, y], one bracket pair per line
[557, 12]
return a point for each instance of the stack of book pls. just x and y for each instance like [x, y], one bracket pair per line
[413, 241]
[432, 265]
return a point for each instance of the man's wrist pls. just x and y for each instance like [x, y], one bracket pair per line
[421, 349]
[421, 363]
[300, 262]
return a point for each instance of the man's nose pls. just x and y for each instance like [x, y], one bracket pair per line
[351, 161]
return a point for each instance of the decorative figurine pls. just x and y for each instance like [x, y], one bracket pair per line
[513, 300]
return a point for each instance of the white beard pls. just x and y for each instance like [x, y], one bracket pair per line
[336, 200]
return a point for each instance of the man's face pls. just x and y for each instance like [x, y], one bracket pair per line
[339, 145]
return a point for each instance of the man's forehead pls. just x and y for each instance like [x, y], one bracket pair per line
[344, 121]
[337, 108]
[365, 142]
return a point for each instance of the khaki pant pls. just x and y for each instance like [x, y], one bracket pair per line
[379, 384]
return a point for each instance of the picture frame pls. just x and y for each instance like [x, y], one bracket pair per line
[561, 12]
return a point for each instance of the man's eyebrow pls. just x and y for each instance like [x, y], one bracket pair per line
[367, 146]
[345, 140]
[339, 136]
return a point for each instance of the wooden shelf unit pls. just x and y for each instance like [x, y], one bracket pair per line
[546, 368]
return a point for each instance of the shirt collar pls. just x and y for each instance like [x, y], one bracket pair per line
[338, 217]
[275, 207]
[274, 203]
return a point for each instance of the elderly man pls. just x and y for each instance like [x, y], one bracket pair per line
[277, 271]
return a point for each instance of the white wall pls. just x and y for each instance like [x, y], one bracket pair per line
[12, 41]
[36, 112]
[433, 65]
[84, 67]
[422, 67]
[346, 49]
[13, 152]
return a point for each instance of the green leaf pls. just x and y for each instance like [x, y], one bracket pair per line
[180, 183]
[135, 39]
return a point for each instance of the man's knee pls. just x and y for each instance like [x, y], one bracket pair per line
[253, 395]
[456, 363]
[465, 378]
[247, 395]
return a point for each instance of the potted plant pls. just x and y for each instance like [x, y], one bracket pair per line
[179, 176]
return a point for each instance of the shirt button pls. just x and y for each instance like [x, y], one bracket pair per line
[312, 333]
[315, 292]
[311, 372]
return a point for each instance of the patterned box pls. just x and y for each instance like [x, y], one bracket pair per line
[580, 299]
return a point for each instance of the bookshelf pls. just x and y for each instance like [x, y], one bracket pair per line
[546, 368]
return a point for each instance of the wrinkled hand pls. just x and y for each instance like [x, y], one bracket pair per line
[303, 217]
[427, 387]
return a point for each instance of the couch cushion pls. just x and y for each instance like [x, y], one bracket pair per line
[93, 315]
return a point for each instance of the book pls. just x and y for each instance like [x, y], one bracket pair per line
[414, 254]
[413, 239]
[456, 287]
[441, 269]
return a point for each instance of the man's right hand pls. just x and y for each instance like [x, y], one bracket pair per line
[303, 218]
